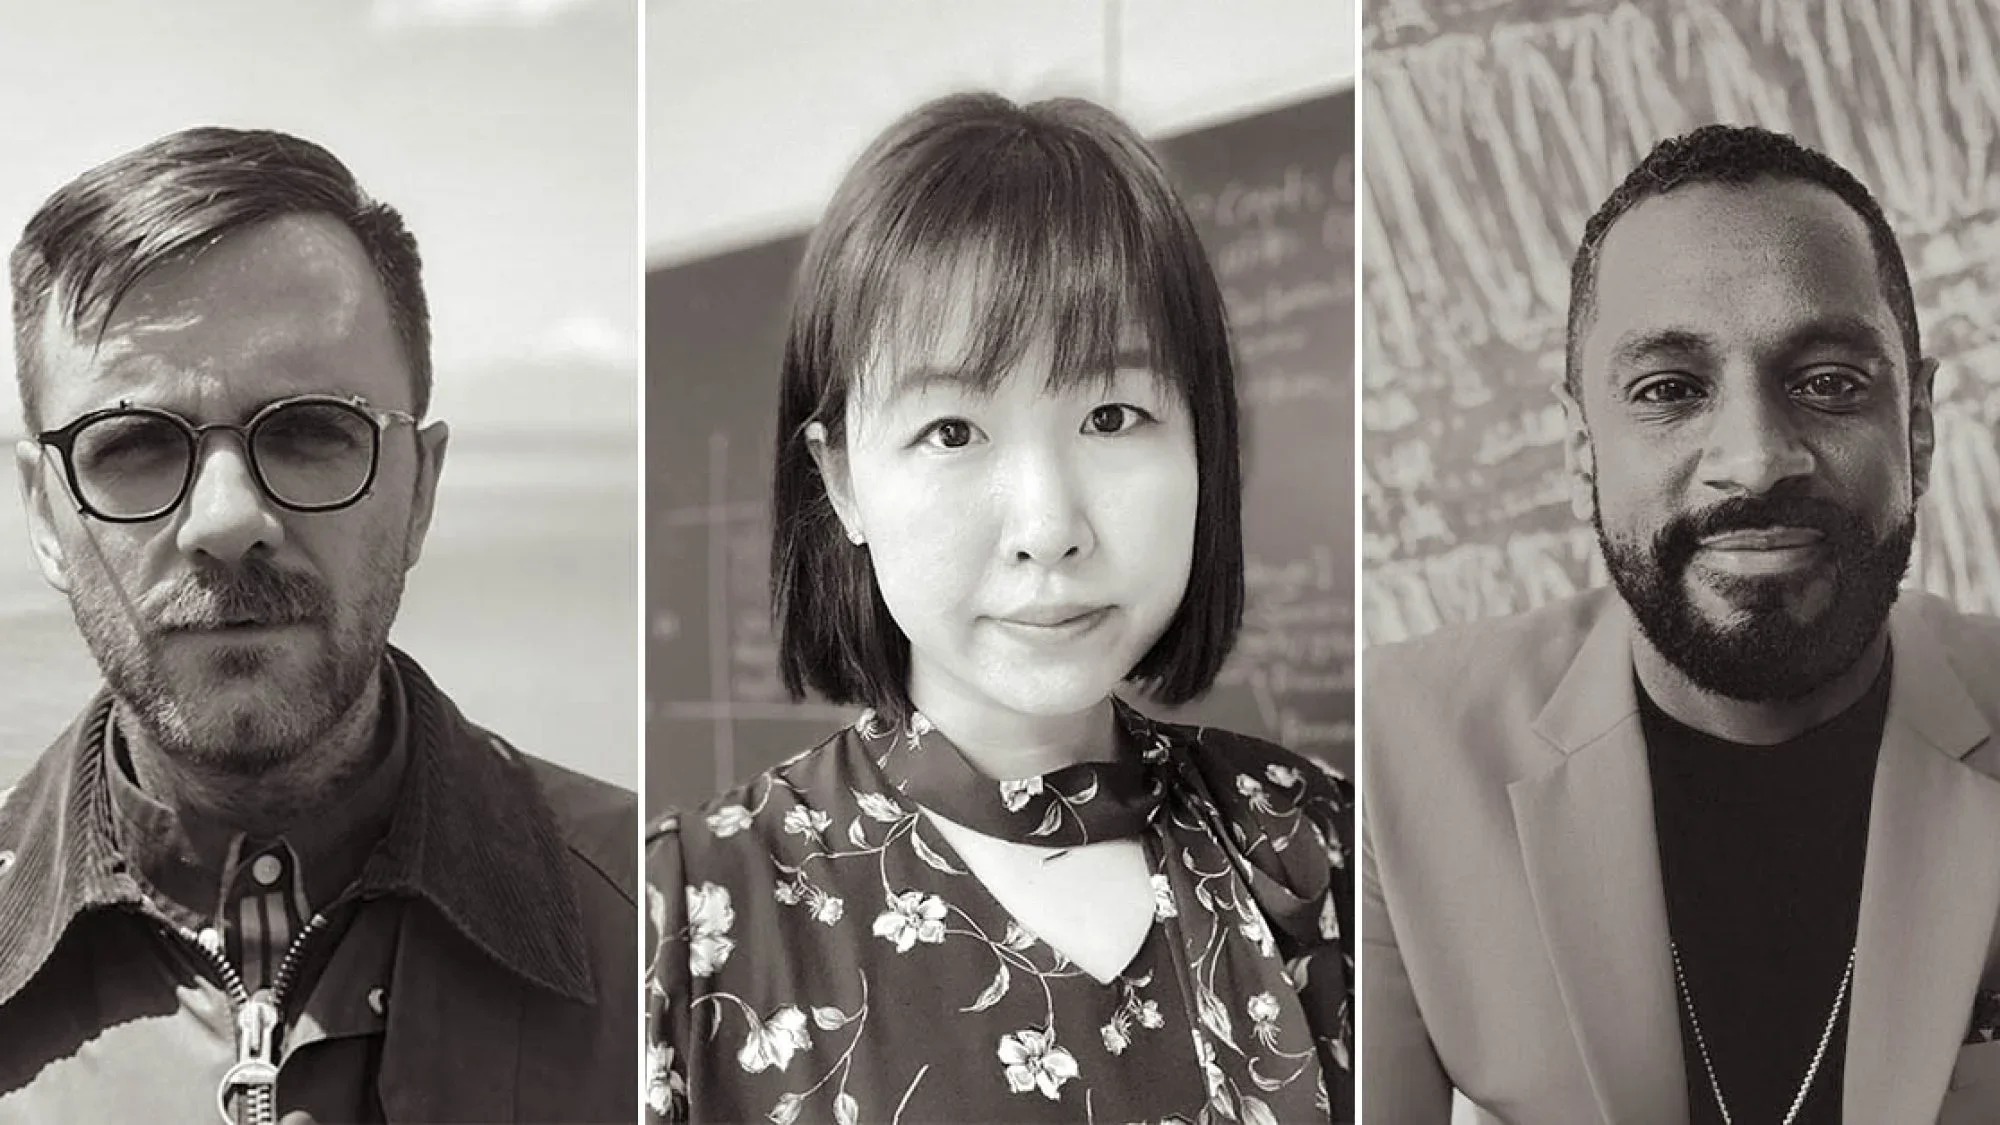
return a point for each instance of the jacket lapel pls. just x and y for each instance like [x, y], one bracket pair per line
[1592, 860]
[1929, 893]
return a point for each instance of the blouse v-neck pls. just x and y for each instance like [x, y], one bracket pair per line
[1072, 809]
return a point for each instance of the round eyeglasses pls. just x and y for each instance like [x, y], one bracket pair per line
[309, 453]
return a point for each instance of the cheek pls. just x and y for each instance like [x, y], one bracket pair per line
[1145, 512]
[928, 538]
[352, 552]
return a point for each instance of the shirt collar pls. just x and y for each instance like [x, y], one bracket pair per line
[470, 833]
[189, 861]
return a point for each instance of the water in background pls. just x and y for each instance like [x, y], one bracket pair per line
[524, 608]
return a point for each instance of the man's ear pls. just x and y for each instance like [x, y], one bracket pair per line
[35, 502]
[431, 443]
[832, 463]
[1923, 426]
[1579, 457]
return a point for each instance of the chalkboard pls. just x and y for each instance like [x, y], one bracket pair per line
[1494, 130]
[1273, 195]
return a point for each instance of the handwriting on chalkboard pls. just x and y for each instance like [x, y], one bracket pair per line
[1495, 129]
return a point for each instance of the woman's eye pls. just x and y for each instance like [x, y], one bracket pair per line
[1115, 418]
[949, 433]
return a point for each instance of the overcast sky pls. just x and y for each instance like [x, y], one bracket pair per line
[504, 130]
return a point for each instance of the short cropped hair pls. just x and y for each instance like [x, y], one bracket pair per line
[1735, 155]
[104, 231]
[1071, 232]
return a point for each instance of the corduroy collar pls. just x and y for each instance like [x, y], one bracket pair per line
[471, 835]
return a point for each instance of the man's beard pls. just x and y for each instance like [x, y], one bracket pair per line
[293, 707]
[1765, 654]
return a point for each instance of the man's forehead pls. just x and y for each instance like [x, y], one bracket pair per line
[281, 296]
[1735, 256]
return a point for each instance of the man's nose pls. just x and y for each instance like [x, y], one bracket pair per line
[1754, 444]
[226, 515]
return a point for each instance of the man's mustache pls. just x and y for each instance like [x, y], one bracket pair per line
[1682, 536]
[251, 592]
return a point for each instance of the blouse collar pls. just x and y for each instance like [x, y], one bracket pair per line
[1085, 803]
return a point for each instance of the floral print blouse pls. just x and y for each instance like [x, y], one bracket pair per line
[821, 954]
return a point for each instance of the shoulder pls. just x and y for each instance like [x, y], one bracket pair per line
[1523, 648]
[1970, 640]
[597, 819]
[1266, 791]
[739, 830]
[1245, 763]
[1291, 816]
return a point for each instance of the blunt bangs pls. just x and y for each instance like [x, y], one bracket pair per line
[972, 270]
[971, 231]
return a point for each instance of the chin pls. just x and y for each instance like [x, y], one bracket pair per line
[1049, 693]
[247, 740]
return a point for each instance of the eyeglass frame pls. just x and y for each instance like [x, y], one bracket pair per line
[63, 441]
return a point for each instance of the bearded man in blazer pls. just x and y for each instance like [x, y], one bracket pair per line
[1721, 843]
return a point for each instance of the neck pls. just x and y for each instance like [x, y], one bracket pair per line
[1006, 744]
[1753, 724]
[264, 805]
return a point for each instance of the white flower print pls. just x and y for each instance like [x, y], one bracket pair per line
[656, 908]
[1034, 1062]
[807, 822]
[920, 725]
[786, 893]
[1255, 931]
[1249, 786]
[665, 1088]
[709, 919]
[828, 909]
[878, 806]
[870, 725]
[728, 820]
[1015, 794]
[1284, 777]
[774, 1044]
[1264, 1010]
[1329, 920]
[1263, 1007]
[786, 1111]
[1149, 1014]
[913, 916]
[1218, 1085]
[1116, 1038]
[1163, 898]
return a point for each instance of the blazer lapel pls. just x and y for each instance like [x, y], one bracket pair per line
[1592, 860]
[1930, 891]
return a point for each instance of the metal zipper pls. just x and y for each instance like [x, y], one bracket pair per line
[259, 1018]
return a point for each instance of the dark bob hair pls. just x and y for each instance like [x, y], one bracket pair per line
[104, 231]
[1069, 232]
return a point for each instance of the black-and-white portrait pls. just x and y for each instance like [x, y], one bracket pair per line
[318, 679]
[1679, 560]
[999, 562]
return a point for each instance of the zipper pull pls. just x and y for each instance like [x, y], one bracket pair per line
[255, 1074]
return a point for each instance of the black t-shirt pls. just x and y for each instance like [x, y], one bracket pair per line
[1761, 853]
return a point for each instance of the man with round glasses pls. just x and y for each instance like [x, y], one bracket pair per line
[271, 873]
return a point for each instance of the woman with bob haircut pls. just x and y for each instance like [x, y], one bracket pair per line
[1007, 482]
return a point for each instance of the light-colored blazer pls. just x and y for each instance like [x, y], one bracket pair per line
[1514, 927]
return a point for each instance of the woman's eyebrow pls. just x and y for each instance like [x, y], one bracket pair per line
[922, 380]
